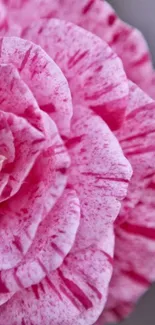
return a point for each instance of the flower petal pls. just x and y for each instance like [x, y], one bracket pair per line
[137, 138]
[22, 214]
[100, 81]
[43, 77]
[135, 227]
[134, 258]
[4, 297]
[53, 241]
[76, 293]
[16, 97]
[100, 175]
[3, 14]
[20, 142]
[70, 295]
[99, 18]
[131, 47]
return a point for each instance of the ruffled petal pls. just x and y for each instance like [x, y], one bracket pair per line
[22, 214]
[95, 74]
[27, 142]
[43, 77]
[131, 47]
[100, 175]
[99, 18]
[134, 258]
[53, 241]
[70, 295]
[20, 142]
[77, 291]
[137, 138]
[135, 227]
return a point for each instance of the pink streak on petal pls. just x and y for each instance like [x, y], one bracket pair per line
[134, 257]
[87, 268]
[103, 92]
[43, 77]
[137, 137]
[54, 239]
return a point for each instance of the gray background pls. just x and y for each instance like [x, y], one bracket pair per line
[140, 13]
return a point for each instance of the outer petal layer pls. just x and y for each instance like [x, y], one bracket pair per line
[137, 138]
[98, 17]
[95, 74]
[134, 258]
[135, 227]
[96, 160]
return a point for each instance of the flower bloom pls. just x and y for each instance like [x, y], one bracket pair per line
[100, 93]
[63, 175]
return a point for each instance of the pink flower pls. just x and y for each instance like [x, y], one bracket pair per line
[63, 175]
[98, 86]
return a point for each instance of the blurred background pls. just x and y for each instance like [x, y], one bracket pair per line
[141, 14]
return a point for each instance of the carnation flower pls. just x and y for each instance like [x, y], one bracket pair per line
[100, 93]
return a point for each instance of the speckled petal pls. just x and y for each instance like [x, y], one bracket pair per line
[76, 293]
[20, 145]
[53, 241]
[137, 138]
[43, 77]
[135, 227]
[134, 258]
[100, 18]
[130, 45]
[21, 142]
[100, 176]
[95, 74]
[22, 214]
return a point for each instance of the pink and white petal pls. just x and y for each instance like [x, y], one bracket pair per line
[7, 148]
[134, 245]
[53, 241]
[17, 98]
[10, 27]
[4, 297]
[26, 147]
[32, 11]
[3, 14]
[74, 294]
[99, 18]
[100, 175]
[100, 81]
[43, 77]
[51, 169]
[137, 138]
[131, 47]
[22, 214]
